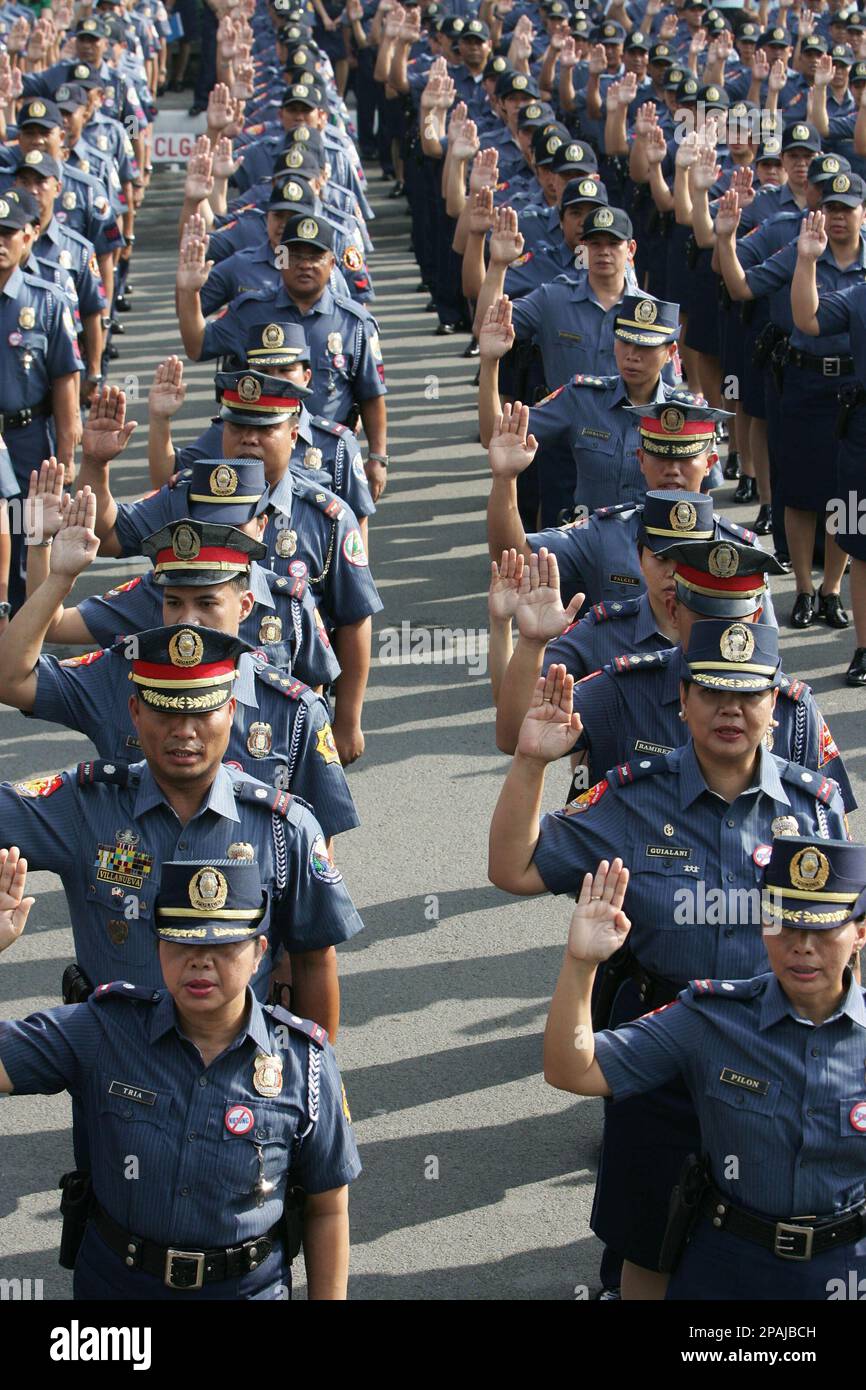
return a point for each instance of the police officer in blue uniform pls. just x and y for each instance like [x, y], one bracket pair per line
[774, 1067]
[697, 818]
[230, 1107]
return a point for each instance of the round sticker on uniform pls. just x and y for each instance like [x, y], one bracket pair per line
[353, 549]
[762, 855]
[320, 863]
[239, 1119]
[858, 1117]
[297, 569]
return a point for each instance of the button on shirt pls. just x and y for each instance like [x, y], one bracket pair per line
[196, 1180]
[340, 378]
[75, 830]
[711, 848]
[798, 1151]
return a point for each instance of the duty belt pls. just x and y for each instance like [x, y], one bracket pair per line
[184, 1269]
[17, 419]
[797, 1239]
[827, 366]
[653, 990]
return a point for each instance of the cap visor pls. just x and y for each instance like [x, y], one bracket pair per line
[630, 335]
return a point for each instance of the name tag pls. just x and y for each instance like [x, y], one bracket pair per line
[596, 434]
[626, 579]
[141, 1097]
[572, 337]
[667, 852]
[748, 1083]
[641, 746]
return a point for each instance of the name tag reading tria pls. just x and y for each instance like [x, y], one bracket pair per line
[748, 1083]
[136, 1093]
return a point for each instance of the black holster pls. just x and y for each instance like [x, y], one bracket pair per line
[615, 971]
[764, 344]
[293, 1221]
[778, 361]
[75, 987]
[76, 1203]
[693, 251]
[849, 399]
[684, 1210]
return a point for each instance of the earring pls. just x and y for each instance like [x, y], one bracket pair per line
[682, 714]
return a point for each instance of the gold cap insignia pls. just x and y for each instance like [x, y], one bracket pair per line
[208, 890]
[185, 648]
[831, 165]
[646, 311]
[249, 389]
[82, 70]
[841, 184]
[223, 481]
[34, 157]
[294, 192]
[604, 218]
[683, 516]
[553, 144]
[273, 336]
[518, 82]
[302, 134]
[294, 158]
[712, 94]
[4, 208]
[575, 152]
[800, 132]
[672, 420]
[587, 188]
[308, 228]
[737, 643]
[809, 869]
[38, 108]
[185, 544]
[723, 561]
[532, 110]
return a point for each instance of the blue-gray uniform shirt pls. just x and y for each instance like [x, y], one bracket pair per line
[74, 253]
[280, 733]
[108, 829]
[325, 452]
[598, 557]
[342, 336]
[607, 630]
[309, 524]
[144, 1088]
[631, 707]
[774, 276]
[284, 622]
[844, 311]
[711, 848]
[587, 412]
[794, 1134]
[572, 330]
[253, 268]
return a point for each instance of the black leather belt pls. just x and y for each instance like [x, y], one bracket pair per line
[16, 420]
[797, 1239]
[184, 1269]
[827, 366]
[653, 990]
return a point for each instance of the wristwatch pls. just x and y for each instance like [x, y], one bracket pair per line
[5, 610]
[379, 458]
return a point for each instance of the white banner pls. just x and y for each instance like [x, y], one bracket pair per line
[173, 147]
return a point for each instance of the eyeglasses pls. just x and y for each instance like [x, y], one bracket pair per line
[305, 256]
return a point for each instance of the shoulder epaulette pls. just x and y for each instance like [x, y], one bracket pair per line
[314, 1031]
[616, 510]
[101, 770]
[581, 379]
[309, 491]
[793, 688]
[725, 989]
[749, 537]
[609, 612]
[631, 661]
[279, 803]
[283, 684]
[822, 788]
[127, 991]
[330, 426]
[351, 306]
[639, 768]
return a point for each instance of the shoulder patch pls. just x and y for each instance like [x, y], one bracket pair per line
[127, 991]
[86, 659]
[822, 788]
[114, 593]
[637, 769]
[100, 770]
[828, 749]
[314, 1031]
[551, 396]
[586, 799]
[38, 786]
[522, 260]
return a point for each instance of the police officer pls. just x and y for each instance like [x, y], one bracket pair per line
[699, 817]
[263, 1110]
[746, 1050]
[349, 377]
[308, 523]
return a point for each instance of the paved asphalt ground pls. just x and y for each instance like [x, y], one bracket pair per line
[477, 1179]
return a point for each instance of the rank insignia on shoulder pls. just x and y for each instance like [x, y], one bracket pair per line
[793, 689]
[822, 788]
[586, 799]
[123, 987]
[637, 769]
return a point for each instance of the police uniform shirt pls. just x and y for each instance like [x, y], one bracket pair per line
[784, 1094]
[107, 840]
[342, 336]
[285, 621]
[767, 203]
[309, 524]
[324, 452]
[607, 630]
[255, 268]
[565, 320]
[144, 1088]
[774, 276]
[599, 558]
[83, 205]
[630, 708]
[603, 438]
[844, 311]
[712, 846]
[100, 164]
[765, 240]
[65, 246]
[108, 136]
[280, 733]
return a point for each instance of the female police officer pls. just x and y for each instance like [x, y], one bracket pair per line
[213, 1104]
[694, 820]
[774, 1066]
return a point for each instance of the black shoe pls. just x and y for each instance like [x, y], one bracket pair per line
[422, 287]
[397, 191]
[122, 304]
[445, 330]
[803, 612]
[731, 469]
[473, 350]
[196, 110]
[784, 561]
[831, 610]
[117, 328]
[856, 673]
[112, 353]
[430, 306]
[763, 523]
[747, 490]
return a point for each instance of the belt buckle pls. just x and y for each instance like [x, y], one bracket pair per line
[181, 1280]
[784, 1241]
[831, 366]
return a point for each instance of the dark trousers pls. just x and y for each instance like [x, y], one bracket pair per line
[207, 57]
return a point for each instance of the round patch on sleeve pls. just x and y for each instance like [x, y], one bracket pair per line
[239, 1119]
[353, 549]
[320, 865]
